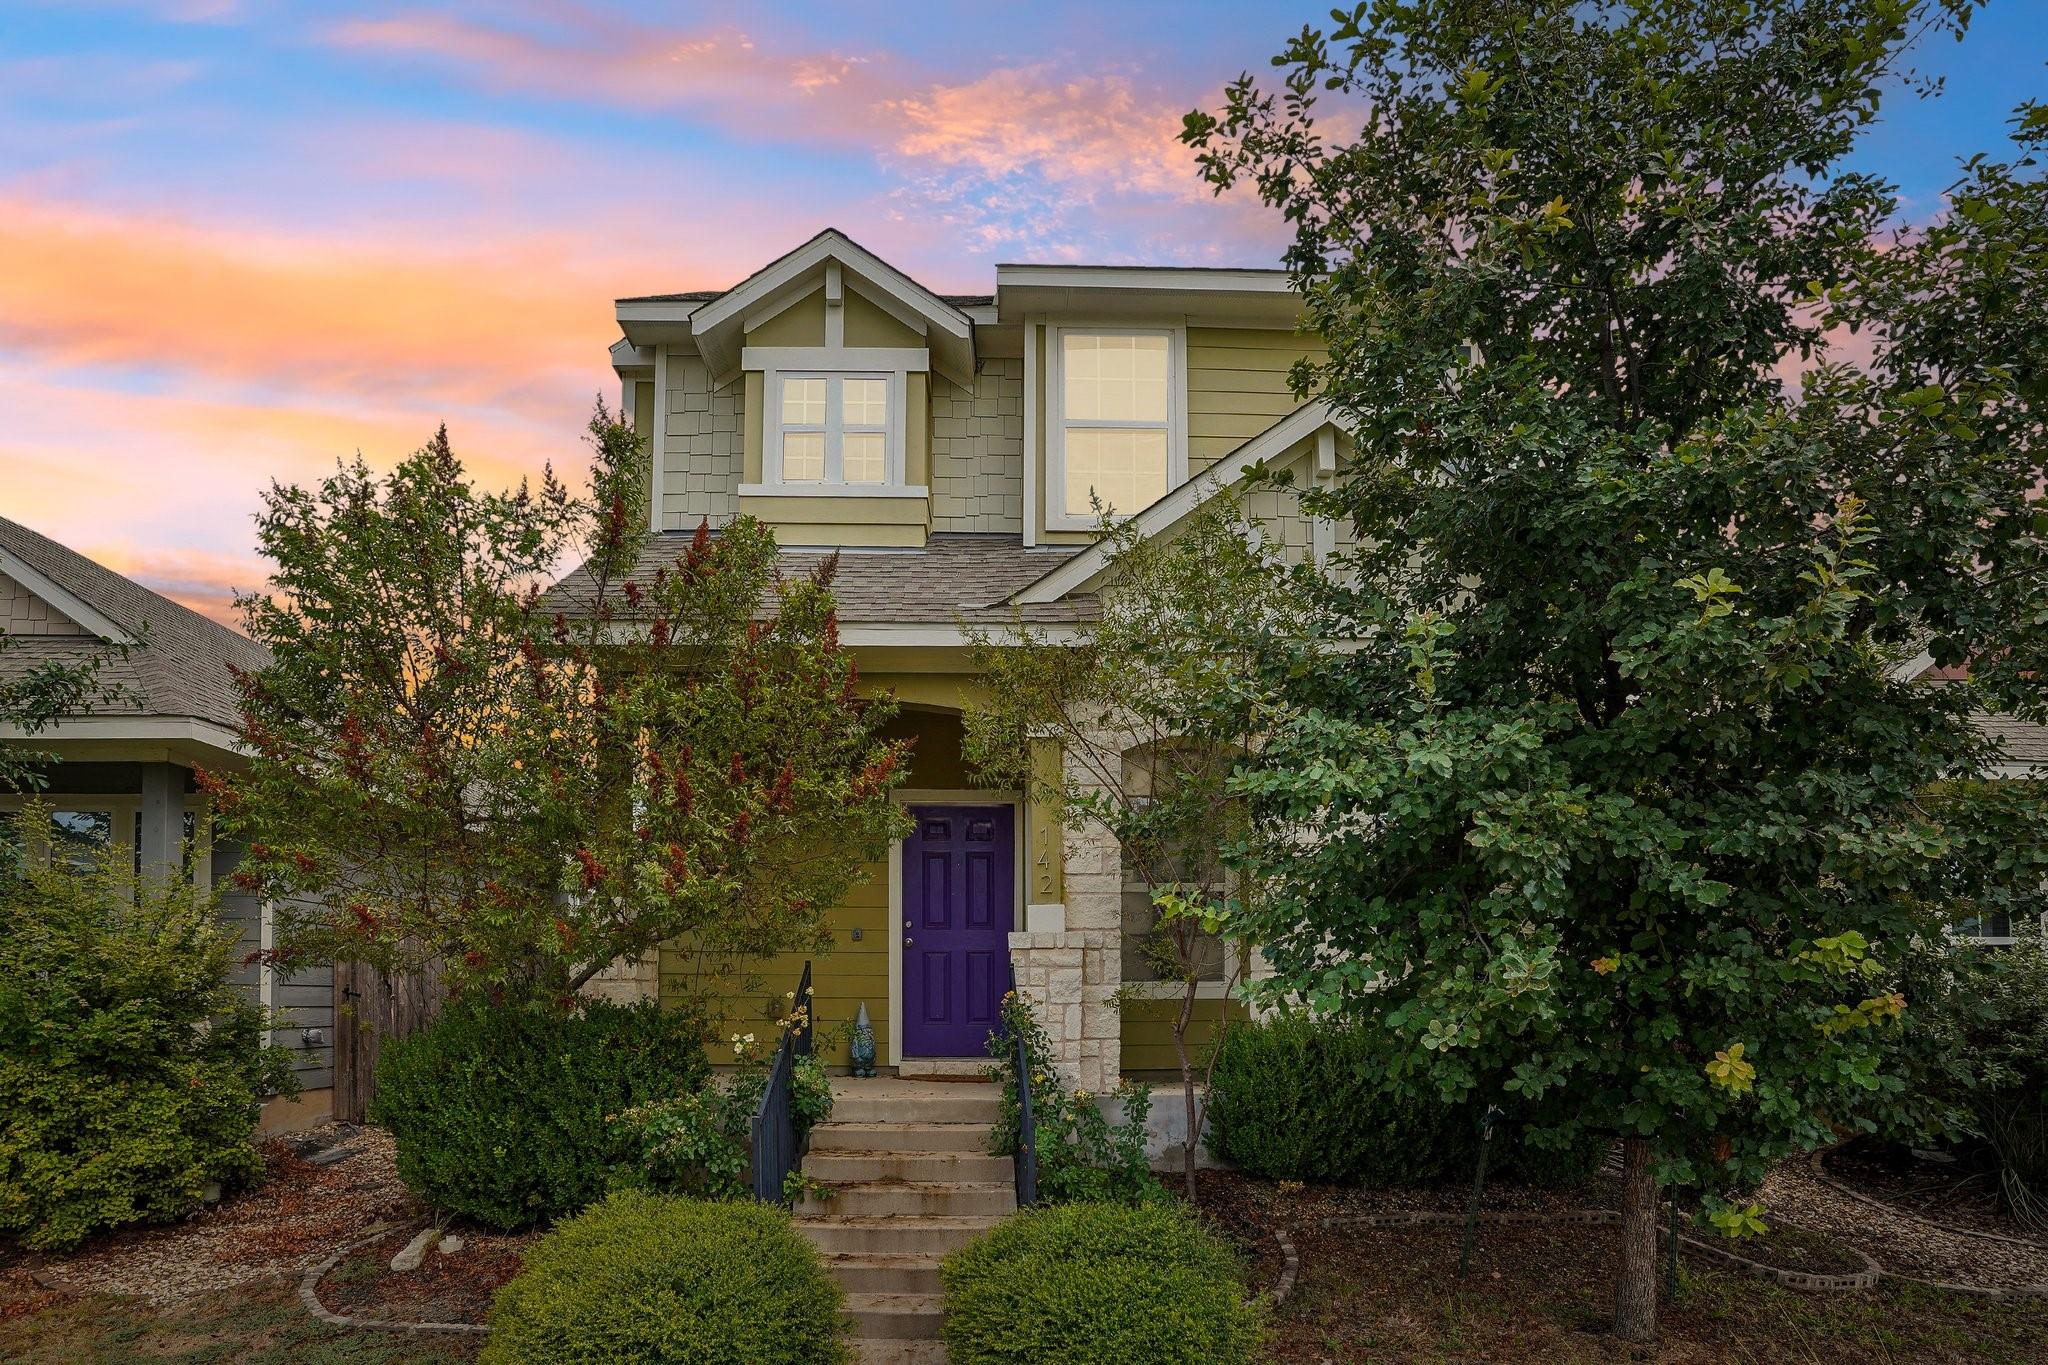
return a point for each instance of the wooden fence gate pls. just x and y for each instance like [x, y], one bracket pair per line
[370, 1007]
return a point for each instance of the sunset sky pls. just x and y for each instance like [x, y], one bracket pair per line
[240, 240]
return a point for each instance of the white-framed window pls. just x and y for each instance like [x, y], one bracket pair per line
[1117, 420]
[835, 429]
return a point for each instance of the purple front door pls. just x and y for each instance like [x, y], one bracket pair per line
[958, 886]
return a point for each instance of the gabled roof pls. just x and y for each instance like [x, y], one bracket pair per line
[1309, 420]
[179, 664]
[718, 324]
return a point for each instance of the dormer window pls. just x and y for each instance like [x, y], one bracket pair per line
[1117, 430]
[835, 428]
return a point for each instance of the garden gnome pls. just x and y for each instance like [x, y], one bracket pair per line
[863, 1043]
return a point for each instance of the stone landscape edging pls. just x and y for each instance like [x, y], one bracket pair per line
[1290, 1267]
[309, 1294]
[1867, 1278]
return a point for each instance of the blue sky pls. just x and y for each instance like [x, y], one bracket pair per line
[240, 239]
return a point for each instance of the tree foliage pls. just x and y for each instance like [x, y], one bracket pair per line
[1153, 709]
[457, 772]
[1670, 457]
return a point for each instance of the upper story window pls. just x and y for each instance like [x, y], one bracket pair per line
[836, 429]
[1116, 429]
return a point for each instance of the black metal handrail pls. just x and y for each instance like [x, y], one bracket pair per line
[1026, 1157]
[777, 1149]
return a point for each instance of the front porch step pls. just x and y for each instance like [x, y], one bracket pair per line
[896, 1317]
[845, 1236]
[899, 1101]
[901, 1199]
[835, 1136]
[907, 1164]
[876, 1274]
[873, 1351]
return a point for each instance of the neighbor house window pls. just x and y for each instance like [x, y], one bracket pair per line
[1117, 426]
[834, 428]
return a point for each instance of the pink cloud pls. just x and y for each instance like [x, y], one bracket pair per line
[1012, 158]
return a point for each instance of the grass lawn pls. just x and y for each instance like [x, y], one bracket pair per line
[261, 1323]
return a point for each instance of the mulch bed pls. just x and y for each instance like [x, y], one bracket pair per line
[1543, 1292]
[447, 1287]
[296, 1215]
[1903, 1246]
[1943, 1192]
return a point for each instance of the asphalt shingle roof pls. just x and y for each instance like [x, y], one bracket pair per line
[954, 577]
[2024, 741]
[182, 668]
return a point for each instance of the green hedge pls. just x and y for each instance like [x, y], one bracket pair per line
[130, 1070]
[1080, 1283]
[643, 1277]
[1297, 1099]
[510, 1116]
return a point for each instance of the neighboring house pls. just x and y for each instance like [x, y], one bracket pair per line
[948, 446]
[125, 779]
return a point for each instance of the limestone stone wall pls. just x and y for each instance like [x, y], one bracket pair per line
[1072, 976]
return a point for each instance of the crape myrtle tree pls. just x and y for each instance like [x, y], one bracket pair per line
[456, 771]
[1671, 453]
[1154, 706]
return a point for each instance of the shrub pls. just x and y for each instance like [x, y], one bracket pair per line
[1979, 1045]
[701, 1143]
[1099, 1282]
[1081, 1154]
[130, 1070]
[1295, 1098]
[506, 1116]
[644, 1277]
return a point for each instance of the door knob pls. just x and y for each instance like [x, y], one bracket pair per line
[908, 940]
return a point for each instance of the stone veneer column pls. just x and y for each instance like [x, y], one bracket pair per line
[627, 980]
[1071, 975]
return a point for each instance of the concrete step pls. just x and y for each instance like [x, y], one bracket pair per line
[893, 1199]
[892, 1101]
[874, 1351]
[896, 1317]
[848, 1236]
[900, 1163]
[873, 1274]
[837, 1136]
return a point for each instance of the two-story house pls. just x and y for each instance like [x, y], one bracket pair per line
[948, 447]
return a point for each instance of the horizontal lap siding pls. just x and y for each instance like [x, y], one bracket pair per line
[841, 980]
[298, 1003]
[1148, 1033]
[1237, 387]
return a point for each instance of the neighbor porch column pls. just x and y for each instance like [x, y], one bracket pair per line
[163, 820]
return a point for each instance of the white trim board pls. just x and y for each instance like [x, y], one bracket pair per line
[787, 279]
[928, 796]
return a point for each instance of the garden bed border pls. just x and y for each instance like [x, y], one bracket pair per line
[309, 1293]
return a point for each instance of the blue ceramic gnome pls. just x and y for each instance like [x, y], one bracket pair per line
[863, 1043]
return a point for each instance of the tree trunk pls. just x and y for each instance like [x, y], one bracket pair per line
[1187, 1090]
[1635, 1288]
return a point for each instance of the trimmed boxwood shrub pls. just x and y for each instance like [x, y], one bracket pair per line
[1294, 1098]
[645, 1277]
[1136, 1285]
[509, 1116]
[130, 1070]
